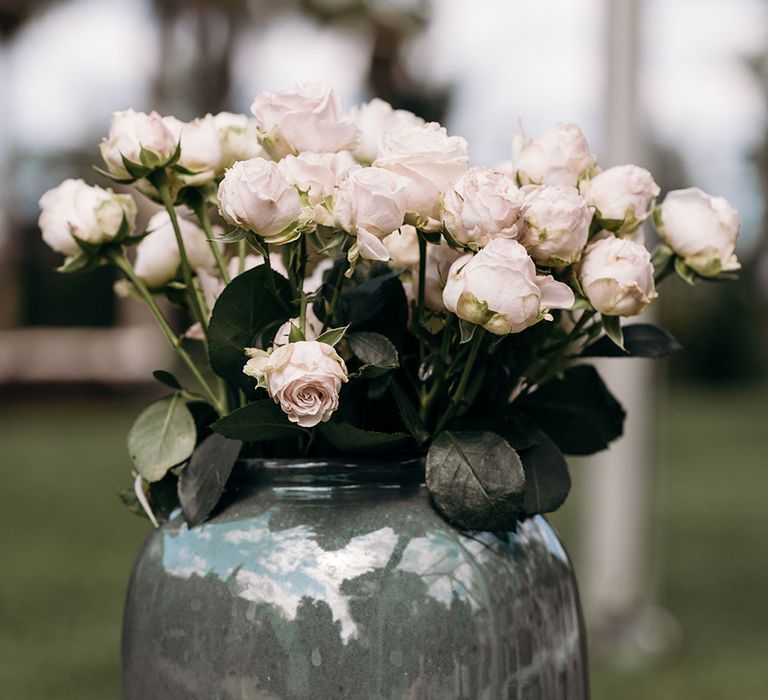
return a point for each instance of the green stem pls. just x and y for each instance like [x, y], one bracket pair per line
[458, 395]
[303, 315]
[241, 256]
[421, 302]
[117, 257]
[339, 283]
[205, 221]
[159, 180]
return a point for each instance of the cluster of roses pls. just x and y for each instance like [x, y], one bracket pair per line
[499, 247]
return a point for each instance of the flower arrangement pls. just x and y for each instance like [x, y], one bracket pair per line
[349, 285]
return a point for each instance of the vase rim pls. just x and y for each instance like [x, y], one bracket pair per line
[331, 471]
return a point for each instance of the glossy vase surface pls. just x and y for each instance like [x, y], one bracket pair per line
[320, 580]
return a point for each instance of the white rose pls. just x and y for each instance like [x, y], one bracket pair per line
[307, 118]
[254, 195]
[557, 221]
[158, 257]
[374, 119]
[623, 193]
[701, 229]
[431, 161]
[481, 205]
[560, 157]
[370, 204]
[403, 247]
[131, 131]
[439, 260]
[200, 148]
[304, 378]
[498, 289]
[617, 276]
[314, 327]
[92, 214]
[317, 174]
[238, 138]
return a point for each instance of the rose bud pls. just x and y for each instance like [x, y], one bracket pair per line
[370, 204]
[624, 193]
[307, 118]
[158, 257]
[92, 214]
[304, 378]
[617, 276]
[557, 223]
[374, 119]
[481, 205]
[701, 229]
[560, 157]
[255, 196]
[430, 160]
[498, 289]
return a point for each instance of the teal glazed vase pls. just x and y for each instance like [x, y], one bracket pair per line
[326, 580]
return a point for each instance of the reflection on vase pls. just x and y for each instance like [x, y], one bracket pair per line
[308, 591]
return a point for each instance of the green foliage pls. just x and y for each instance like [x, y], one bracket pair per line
[349, 439]
[161, 437]
[258, 421]
[640, 340]
[476, 480]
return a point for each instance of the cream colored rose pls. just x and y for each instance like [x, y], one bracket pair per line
[238, 139]
[557, 221]
[439, 260]
[498, 289]
[403, 247]
[254, 195]
[131, 131]
[617, 276]
[430, 160]
[370, 204]
[624, 193]
[374, 119]
[307, 118]
[701, 229]
[304, 378]
[200, 148]
[158, 257]
[481, 205]
[92, 214]
[559, 157]
[317, 174]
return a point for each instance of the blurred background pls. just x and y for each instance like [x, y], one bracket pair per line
[666, 530]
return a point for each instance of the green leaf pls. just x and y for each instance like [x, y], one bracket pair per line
[167, 378]
[409, 413]
[244, 309]
[259, 421]
[547, 481]
[373, 349]
[684, 272]
[136, 170]
[294, 334]
[233, 236]
[612, 326]
[333, 335]
[149, 159]
[202, 482]
[347, 438]
[78, 263]
[577, 411]
[110, 176]
[161, 437]
[640, 340]
[476, 480]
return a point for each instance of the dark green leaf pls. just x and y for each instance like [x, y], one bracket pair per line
[259, 421]
[244, 309]
[294, 334]
[476, 480]
[547, 481]
[136, 170]
[332, 336]
[373, 349]
[347, 438]
[577, 411]
[203, 479]
[612, 327]
[162, 436]
[640, 340]
[409, 413]
[166, 378]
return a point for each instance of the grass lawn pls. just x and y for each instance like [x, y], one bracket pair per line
[68, 546]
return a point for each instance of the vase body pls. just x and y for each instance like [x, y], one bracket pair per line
[333, 580]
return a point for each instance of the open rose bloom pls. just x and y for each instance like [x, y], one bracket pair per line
[355, 287]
